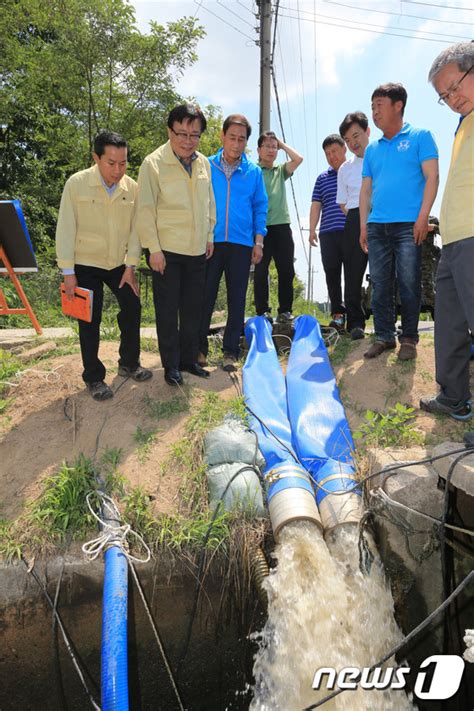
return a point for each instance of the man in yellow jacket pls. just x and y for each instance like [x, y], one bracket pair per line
[175, 221]
[96, 245]
[452, 75]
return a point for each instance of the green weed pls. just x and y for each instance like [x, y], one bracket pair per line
[10, 547]
[339, 352]
[145, 440]
[138, 513]
[164, 409]
[4, 404]
[62, 508]
[150, 345]
[9, 366]
[390, 429]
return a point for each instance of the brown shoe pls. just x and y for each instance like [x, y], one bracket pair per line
[378, 347]
[407, 351]
[202, 360]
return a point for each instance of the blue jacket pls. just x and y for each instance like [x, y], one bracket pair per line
[241, 202]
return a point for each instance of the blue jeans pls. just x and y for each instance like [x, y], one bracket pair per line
[393, 253]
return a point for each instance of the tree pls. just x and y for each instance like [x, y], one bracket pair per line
[69, 68]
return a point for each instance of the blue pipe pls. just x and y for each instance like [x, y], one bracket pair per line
[114, 662]
[290, 494]
[321, 433]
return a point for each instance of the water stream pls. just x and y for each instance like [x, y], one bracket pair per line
[323, 612]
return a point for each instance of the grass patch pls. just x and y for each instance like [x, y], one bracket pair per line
[339, 352]
[160, 410]
[145, 440]
[60, 513]
[390, 429]
[9, 367]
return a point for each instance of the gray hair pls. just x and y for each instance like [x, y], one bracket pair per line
[462, 53]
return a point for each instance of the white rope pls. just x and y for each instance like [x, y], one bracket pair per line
[50, 375]
[113, 534]
[469, 642]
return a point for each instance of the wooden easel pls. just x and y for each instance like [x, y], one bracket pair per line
[5, 310]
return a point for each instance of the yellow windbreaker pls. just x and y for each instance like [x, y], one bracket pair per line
[175, 212]
[95, 229]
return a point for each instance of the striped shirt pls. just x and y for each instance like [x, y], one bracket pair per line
[325, 190]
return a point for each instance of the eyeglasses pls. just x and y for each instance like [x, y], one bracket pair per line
[444, 98]
[194, 137]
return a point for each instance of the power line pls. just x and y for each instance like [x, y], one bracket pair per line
[364, 29]
[245, 7]
[371, 24]
[277, 98]
[398, 14]
[315, 30]
[432, 4]
[302, 87]
[275, 24]
[219, 2]
[200, 3]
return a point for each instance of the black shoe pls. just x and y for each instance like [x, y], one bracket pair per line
[195, 369]
[139, 374]
[100, 390]
[173, 376]
[357, 333]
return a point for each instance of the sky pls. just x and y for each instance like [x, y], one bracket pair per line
[329, 56]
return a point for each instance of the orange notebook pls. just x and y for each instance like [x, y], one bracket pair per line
[80, 306]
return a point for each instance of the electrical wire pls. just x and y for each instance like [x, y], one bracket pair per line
[305, 125]
[236, 14]
[371, 24]
[157, 637]
[245, 7]
[432, 4]
[399, 14]
[277, 98]
[65, 635]
[419, 628]
[364, 29]
[200, 3]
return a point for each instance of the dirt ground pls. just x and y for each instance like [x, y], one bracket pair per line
[53, 419]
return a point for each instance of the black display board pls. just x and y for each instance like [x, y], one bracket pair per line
[15, 239]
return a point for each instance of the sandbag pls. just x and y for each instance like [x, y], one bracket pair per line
[231, 442]
[244, 494]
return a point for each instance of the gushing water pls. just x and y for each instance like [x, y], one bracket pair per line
[323, 612]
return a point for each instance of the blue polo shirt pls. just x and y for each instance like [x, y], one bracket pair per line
[395, 166]
[325, 190]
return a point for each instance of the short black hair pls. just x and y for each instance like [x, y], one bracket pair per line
[238, 119]
[395, 92]
[264, 135]
[333, 138]
[186, 112]
[108, 138]
[357, 117]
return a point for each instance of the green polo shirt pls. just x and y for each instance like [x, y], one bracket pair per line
[274, 179]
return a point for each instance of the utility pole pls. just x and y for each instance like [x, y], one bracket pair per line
[265, 8]
[308, 290]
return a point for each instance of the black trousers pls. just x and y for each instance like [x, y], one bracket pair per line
[332, 258]
[233, 260]
[178, 297]
[128, 320]
[355, 264]
[279, 245]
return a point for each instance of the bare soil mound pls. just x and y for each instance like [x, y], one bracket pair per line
[53, 419]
